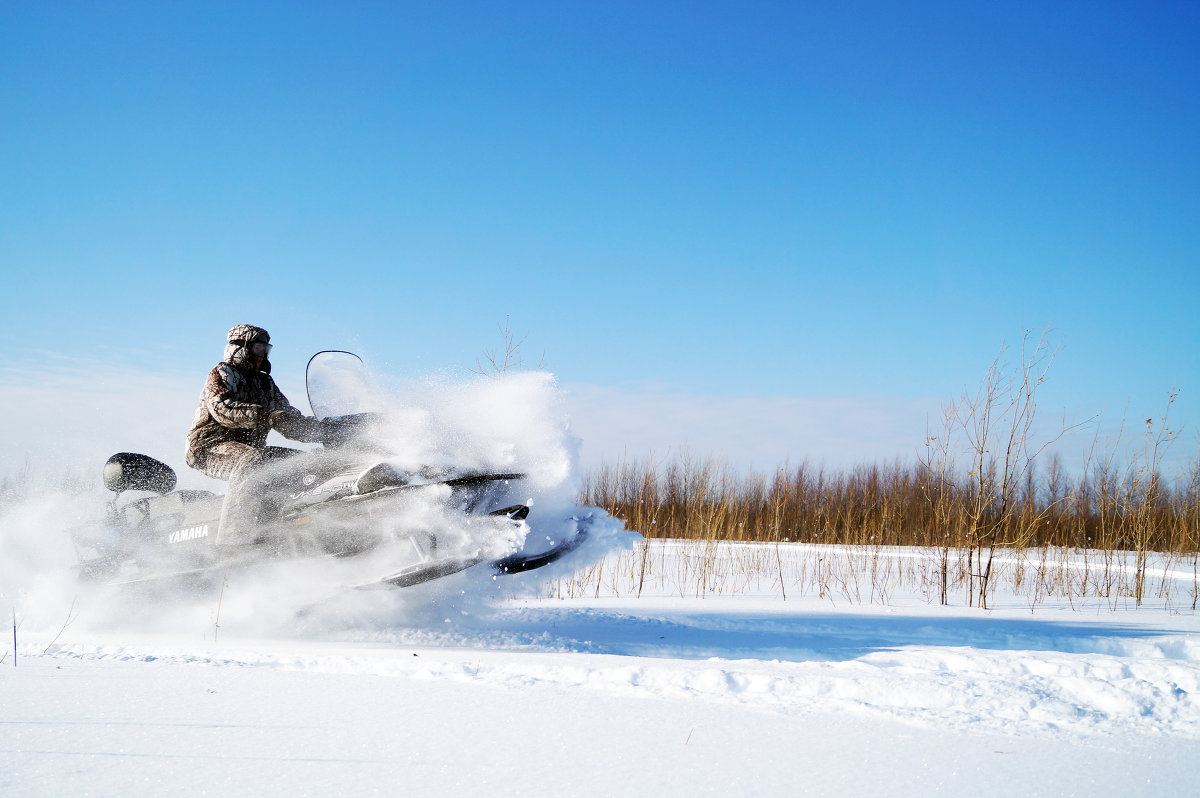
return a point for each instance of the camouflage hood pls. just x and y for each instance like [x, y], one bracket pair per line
[237, 351]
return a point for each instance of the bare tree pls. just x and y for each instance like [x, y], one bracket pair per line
[997, 424]
[510, 359]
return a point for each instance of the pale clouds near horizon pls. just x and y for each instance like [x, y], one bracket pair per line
[748, 431]
[73, 415]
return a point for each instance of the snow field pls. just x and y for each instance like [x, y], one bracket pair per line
[452, 693]
[1044, 693]
[173, 729]
[1082, 579]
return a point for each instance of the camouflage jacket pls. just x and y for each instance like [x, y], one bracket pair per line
[242, 403]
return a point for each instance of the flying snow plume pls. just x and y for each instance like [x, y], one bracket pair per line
[513, 423]
[37, 562]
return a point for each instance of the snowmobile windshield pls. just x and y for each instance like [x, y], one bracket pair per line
[338, 385]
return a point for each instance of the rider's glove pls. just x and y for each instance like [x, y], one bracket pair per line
[333, 432]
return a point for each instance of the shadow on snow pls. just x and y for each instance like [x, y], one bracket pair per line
[801, 637]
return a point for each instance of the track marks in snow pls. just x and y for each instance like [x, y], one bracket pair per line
[1092, 694]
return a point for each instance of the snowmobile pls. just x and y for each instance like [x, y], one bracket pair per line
[343, 501]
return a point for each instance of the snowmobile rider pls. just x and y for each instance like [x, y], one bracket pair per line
[239, 405]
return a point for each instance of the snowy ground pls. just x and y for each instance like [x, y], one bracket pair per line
[667, 694]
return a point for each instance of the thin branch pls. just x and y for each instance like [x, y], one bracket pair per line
[71, 616]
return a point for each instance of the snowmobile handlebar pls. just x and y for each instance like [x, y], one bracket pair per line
[338, 431]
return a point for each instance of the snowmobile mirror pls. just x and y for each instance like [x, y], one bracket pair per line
[130, 471]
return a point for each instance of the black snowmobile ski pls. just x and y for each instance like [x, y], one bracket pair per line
[512, 564]
[518, 563]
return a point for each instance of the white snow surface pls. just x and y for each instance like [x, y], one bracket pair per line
[443, 691]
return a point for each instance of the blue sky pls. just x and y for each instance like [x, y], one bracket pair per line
[685, 199]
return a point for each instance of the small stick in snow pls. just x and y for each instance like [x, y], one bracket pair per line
[71, 616]
[220, 598]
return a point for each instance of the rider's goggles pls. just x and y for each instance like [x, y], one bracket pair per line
[259, 348]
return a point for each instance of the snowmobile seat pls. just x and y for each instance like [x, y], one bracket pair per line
[130, 471]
